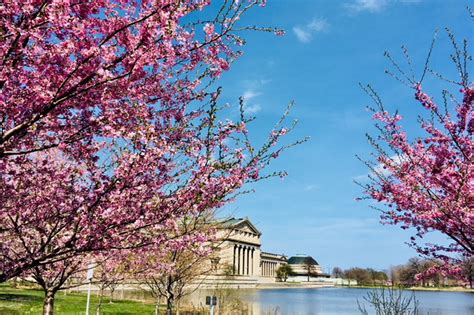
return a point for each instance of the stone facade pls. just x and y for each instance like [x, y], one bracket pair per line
[269, 264]
[239, 253]
[241, 263]
[241, 257]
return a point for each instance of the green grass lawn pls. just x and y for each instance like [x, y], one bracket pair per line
[30, 301]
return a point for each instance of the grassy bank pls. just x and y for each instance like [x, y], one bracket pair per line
[30, 301]
[441, 289]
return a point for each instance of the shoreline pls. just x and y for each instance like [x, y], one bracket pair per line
[430, 289]
[293, 286]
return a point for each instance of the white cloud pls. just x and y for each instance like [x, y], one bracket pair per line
[305, 33]
[397, 159]
[252, 109]
[374, 5]
[379, 169]
[248, 96]
[318, 25]
[252, 91]
[302, 35]
[256, 83]
[367, 5]
[310, 187]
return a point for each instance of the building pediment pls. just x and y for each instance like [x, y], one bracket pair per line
[244, 225]
[247, 226]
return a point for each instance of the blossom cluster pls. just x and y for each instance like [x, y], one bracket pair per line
[108, 128]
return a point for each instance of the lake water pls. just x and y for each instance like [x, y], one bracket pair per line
[343, 301]
[330, 301]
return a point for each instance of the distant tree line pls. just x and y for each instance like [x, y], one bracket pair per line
[409, 274]
[363, 276]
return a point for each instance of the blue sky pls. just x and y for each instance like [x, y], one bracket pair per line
[329, 47]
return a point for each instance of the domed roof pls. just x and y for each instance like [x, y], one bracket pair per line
[302, 260]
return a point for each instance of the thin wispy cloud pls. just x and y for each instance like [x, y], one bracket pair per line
[380, 169]
[367, 5]
[253, 109]
[374, 6]
[251, 93]
[256, 83]
[310, 187]
[248, 96]
[306, 33]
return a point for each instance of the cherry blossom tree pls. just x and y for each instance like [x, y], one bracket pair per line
[109, 129]
[107, 85]
[427, 181]
[111, 269]
[108, 125]
[181, 268]
[62, 220]
[54, 277]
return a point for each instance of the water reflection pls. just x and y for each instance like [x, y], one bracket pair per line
[330, 301]
[327, 301]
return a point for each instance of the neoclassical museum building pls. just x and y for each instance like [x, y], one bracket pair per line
[242, 261]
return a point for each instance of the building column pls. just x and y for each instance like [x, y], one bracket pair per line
[239, 249]
[248, 261]
[233, 261]
[242, 261]
[244, 258]
[253, 262]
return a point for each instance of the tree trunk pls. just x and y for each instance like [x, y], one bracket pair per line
[170, 297]
[169, 305]
[157, 307]
[112, 290]
[99, 306]
[48, 303]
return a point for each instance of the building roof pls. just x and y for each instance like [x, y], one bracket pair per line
[301, 260]
[267, 255]
[238, 222]
[234, 221]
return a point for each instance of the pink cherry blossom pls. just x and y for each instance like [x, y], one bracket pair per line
[427, 182]
[108, 129]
